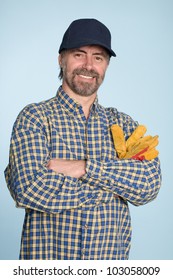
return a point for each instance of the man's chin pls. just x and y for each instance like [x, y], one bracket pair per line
[84, 89]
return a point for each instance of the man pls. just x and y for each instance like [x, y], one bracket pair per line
[64, 168]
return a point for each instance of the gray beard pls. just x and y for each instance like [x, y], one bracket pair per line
[83, 88]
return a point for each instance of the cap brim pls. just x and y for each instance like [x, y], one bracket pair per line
[87, 43]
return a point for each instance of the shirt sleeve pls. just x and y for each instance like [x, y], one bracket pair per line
[135, 181]
[31, 184]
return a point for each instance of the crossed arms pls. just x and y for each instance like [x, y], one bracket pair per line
[39, 182]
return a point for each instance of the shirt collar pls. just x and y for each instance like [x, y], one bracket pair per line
[71, 105]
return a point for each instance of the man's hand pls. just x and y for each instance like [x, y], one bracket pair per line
[73, 168]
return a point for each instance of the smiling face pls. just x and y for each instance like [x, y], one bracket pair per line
[84, 69]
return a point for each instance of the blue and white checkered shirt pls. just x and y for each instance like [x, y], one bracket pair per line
[69, 218]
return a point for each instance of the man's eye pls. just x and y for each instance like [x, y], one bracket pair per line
[98, 58]
[78, 55]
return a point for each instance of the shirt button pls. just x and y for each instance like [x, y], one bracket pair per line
[86, 226]
[83, 254]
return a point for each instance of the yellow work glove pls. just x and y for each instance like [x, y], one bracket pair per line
[137, 146]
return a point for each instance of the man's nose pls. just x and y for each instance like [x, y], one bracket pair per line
[88, 62]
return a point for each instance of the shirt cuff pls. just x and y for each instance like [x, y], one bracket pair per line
[94, 169]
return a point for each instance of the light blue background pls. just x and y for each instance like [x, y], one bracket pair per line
[139, 82]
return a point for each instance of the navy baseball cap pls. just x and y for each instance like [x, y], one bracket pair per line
[85, 32]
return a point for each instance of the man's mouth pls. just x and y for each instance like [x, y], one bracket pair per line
[86, 77]
[85, 74]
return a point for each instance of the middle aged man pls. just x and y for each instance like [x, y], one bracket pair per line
[64, 168]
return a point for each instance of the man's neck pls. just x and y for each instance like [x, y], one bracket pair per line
[85, 101]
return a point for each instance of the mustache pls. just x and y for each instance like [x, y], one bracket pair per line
[81, 71]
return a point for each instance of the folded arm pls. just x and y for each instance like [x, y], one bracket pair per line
[31, 178]
[135, 181]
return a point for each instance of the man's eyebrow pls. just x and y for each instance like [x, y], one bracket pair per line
[78, 50]
[100, 53]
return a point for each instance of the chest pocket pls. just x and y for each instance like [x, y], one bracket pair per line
[71, 138]
[66, 140]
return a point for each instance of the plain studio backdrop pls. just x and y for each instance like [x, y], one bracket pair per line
[139, 82]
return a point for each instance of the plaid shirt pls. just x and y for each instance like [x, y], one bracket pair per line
[65, 217]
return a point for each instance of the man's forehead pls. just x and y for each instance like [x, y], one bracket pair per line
[91, 48]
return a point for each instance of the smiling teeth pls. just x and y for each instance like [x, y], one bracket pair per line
[86, 77]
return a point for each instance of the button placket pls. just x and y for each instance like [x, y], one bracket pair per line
[83, 253]
[85, 234]
[99, 196]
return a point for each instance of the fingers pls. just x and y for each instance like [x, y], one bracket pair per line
[137, 146]
[147, 141]
[151, 154]
[142, 142]
[118, 139]
[136, 135]
[146, 154]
